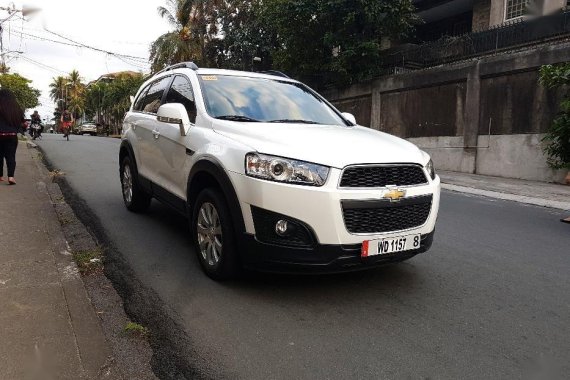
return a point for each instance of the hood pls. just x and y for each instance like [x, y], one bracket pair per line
[328, 145]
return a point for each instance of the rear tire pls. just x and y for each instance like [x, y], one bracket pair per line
[213, 236]
[134, 197]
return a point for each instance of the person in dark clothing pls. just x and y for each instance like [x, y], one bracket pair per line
[11, 115]
[36, 125]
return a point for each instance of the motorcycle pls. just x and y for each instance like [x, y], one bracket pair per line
[36, 131]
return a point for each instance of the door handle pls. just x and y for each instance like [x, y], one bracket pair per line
[155, 133]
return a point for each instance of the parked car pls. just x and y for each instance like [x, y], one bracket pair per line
[272, 176]
[88, 128]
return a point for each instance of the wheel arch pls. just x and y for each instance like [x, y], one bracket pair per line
[210, 173]
[126, 150]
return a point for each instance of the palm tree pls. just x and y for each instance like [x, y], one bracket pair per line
[76, 94]
[57, 88]
[175, 46]
[195, 25]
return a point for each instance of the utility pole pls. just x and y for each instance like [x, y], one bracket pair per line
[12, 11]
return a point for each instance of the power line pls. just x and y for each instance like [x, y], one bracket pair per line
[28, 29]
[43, 38]
[97, 49]
[125, 58]
[42, 65]
[78, 44]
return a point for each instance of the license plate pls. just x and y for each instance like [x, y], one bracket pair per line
[390, 245]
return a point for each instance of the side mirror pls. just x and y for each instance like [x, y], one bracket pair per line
[350, 117]
[174, 113]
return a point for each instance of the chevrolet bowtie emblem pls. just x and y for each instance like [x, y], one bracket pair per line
[394, 195]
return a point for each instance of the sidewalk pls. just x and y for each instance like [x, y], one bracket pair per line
[49, 329]
[529, 192]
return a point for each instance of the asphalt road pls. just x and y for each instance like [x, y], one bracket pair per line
[491, 299]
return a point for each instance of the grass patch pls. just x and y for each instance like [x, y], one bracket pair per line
[64, 221]
[135, 329]
[88, 260]
[56, 173]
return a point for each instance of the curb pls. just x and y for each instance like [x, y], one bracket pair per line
[92, 347]
[508, 197]
[131, 356]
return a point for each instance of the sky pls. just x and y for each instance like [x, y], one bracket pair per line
[125, 27]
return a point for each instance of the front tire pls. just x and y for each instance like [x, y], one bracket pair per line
[134, 197]
[213, 236]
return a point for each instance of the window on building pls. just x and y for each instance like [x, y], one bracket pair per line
[515, 8]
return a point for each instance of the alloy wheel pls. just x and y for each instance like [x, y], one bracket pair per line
[127, 184]
[209, 231]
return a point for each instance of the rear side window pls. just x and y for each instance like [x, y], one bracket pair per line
[181, 92]
[151, 100]
[138, 103]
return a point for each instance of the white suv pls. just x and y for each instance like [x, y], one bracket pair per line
[272, 176]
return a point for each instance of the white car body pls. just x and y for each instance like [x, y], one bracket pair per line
[166, 154]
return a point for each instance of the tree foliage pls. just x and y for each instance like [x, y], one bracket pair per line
[557, 138]
[109, 101]
[319, 41]
[337, 39]
[245, 36]
[68, 92]
[195, 27]
[27, 96]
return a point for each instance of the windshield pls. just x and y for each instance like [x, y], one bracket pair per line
[249, 99]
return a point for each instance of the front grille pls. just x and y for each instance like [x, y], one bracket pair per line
[385, 216]
[382, 176]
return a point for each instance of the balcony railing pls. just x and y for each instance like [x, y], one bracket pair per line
[505, 37]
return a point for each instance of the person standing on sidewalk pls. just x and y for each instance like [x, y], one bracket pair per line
[11, 116]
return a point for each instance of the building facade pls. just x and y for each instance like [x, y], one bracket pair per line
[456, 17]
[467, 89]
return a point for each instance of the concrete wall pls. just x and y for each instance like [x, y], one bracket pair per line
[513, 156]
[497, 15]
[518, 155]
[498, 9]
[552, 6]
[481, 14]
[448, 110]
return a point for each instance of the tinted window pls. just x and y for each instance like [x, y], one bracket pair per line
[264, 99]
[139, 102]
[181, 92]
[151, 100]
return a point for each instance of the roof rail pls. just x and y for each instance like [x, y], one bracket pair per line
[275, 73]
[188, 65]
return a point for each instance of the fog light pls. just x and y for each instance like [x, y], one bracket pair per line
[282, 228]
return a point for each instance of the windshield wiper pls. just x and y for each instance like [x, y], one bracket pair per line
[301, 121]
[236, 118]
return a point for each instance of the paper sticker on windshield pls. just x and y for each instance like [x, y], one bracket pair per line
[209, 77]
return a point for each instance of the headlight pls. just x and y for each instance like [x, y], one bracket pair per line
[430, 169]
[285, 170]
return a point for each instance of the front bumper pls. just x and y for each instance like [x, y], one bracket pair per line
[320, 258]
[320, 208]
[330, 247]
